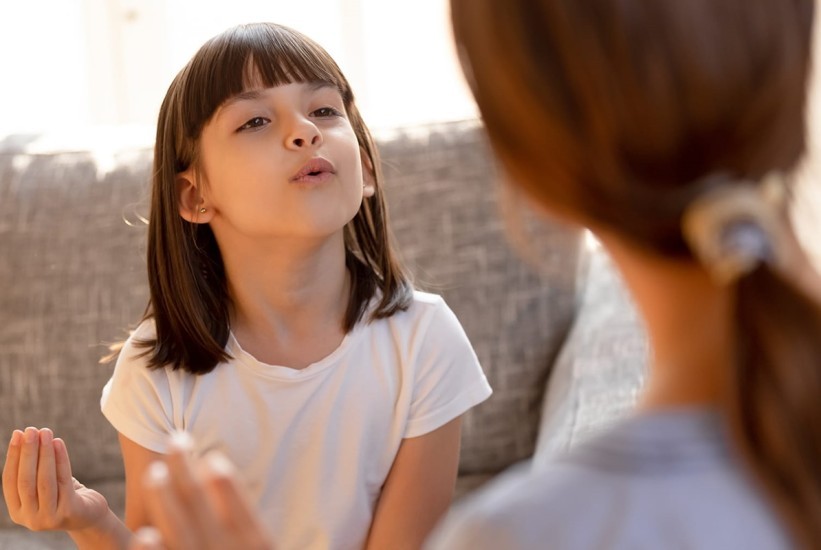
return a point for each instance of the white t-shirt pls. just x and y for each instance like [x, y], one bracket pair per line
[315, 445]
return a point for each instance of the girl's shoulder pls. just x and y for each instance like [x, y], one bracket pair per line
[425, 299]
[424, 304]
[427, 327]
[426, 311]
[135, 351]
[138, 338]
[427, 331]
[146, 330]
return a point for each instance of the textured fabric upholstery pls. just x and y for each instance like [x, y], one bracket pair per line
[72, 280]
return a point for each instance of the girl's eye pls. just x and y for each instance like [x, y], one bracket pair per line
[256, 122]
[326, 112]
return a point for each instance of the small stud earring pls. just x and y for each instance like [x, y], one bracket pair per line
[203, 210]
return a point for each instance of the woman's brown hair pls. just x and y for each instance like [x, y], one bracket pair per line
[612, 110]
[189, 300]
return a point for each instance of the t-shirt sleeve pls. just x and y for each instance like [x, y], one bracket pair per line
[449, 380]
[138, 401]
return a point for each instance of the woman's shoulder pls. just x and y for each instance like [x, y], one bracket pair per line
[562, 505]
[625, 485]
[516, 510]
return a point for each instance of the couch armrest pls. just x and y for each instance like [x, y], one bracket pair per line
[602, 363]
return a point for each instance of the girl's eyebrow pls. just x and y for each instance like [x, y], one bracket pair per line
[257, 93]
[317, 85]
[242, 96]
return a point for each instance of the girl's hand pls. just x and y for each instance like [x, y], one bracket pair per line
[39, 490]
[198, 506]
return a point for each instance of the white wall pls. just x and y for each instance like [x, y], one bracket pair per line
[72, 63]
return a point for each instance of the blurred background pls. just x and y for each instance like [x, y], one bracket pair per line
[70, 64]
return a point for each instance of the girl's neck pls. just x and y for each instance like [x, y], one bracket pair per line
[689, 321]
[289, 289]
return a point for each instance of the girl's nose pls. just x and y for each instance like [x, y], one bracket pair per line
[303, 134]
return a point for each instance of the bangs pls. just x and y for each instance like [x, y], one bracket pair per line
[252, 56]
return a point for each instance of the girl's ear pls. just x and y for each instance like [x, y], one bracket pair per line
[192, 204]
[368, 178]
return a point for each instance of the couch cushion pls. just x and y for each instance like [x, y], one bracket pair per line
[18, 538]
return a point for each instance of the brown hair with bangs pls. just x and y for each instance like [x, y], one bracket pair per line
[189, 300]
[611, 111]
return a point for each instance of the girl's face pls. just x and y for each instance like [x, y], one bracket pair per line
[278, 162]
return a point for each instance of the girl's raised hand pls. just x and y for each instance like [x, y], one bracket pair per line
[39, 490]
[198, 506]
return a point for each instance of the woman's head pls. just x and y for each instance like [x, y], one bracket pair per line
[610, 110]
[189, 294]
[619, 114]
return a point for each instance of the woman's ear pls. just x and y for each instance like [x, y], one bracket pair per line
[368, 175]
[192, 204]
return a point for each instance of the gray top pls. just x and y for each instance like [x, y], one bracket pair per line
[663, 480]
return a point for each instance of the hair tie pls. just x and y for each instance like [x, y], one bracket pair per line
[734, 226]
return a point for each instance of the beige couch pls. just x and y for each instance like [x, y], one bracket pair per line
[73, 279]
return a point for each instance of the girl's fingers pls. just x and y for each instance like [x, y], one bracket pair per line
[166, 511]
[182, 474]
[62, 467]
[231, 505]
[27, 470]
[203, 508]
[199, 511]
[46, 474]
[62, 464]
[10, 470]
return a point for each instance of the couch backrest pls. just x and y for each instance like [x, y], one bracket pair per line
[72, 280]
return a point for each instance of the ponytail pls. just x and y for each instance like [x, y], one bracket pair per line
[776, 395]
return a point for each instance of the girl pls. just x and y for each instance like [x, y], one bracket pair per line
[669, 128]
[281, 329]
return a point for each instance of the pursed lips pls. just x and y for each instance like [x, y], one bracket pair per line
[315, 170]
